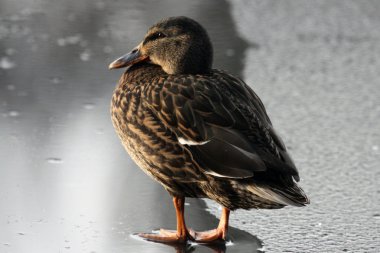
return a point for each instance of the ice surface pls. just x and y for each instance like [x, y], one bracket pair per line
[6, 63]
[317, 75]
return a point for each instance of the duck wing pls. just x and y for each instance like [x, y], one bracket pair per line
[222, 122]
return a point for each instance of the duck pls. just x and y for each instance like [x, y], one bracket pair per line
[200, 132]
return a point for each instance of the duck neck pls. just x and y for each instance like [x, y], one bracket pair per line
[196, 59]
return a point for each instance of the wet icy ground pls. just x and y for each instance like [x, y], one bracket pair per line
[66, 184]
[318, 73]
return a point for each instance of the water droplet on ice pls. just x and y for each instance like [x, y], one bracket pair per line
[89, 106]
[6, 63]
[85, 56]
[61, 42]
[229, 243]
[13, 113]
[75, 39]
[375, 147]
[55, 80]
[69, 40]
[11, 87]
[54, 160]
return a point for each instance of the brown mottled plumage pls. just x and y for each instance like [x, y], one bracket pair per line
[198, 131]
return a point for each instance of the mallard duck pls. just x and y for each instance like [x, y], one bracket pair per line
[199, 131]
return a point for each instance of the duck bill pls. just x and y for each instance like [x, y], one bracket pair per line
[129, 59]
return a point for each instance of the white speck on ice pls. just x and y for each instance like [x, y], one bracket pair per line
[13, 113]
[229, 243]
[85, 56]
[54, 160]
[61, 42]
[89, 106]
[74, 39]
[262, 249]
[69, 40]
[11, 87]
[375, 148]
[56, 80]
[6, 63]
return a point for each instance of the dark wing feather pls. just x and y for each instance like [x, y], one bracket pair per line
[224, 122]
[227, 154]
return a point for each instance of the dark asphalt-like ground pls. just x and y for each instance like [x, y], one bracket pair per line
[317, 71]
[67, 185]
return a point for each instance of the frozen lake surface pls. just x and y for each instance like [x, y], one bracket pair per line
[66, 183]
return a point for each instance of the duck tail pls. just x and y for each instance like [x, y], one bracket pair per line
[293, 196]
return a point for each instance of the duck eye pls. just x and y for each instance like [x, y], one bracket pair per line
[154, 36]
[160, 35]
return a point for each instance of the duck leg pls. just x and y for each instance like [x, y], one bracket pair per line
[219, 233]
[170, 236]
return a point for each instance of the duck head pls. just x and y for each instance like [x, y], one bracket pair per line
[178, 44]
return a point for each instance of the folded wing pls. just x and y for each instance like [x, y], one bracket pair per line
[223, 123]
